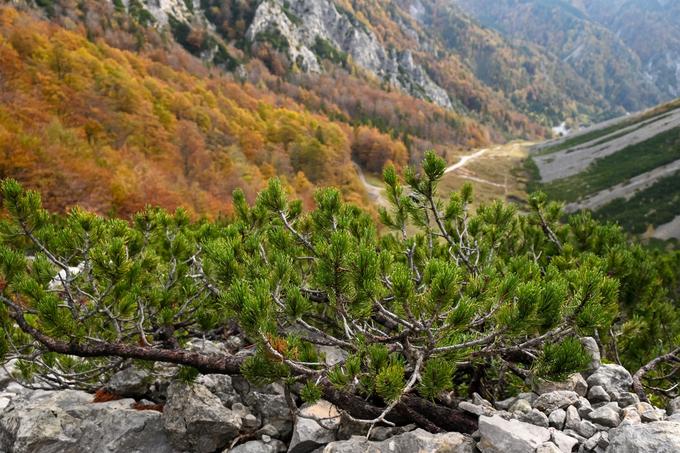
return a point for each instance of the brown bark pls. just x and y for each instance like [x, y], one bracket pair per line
[207, 364]
[672, 356]
[412, 409]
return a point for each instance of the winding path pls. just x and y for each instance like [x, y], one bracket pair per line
[464, 160]
[376, 192]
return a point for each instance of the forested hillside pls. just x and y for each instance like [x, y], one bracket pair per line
[628, 51]
[114, 129]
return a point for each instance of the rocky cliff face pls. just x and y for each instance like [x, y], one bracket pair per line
[306, 25]
[305, 30]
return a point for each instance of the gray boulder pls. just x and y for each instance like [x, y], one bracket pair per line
[564, 442]
[597, 394]
[315, 425]
[557, 418]
[586, 429]
[615, 379]
[503, 436]
[68, 422]
[505, 404]
[631, 416]
[521, 406]
[259, 446]
[572, 419]
[627, 399]
[535, 417]
[591, 347]
[476, 409]
[657, 437]
[559, 399]
[273, 410]
[649, 413]
[574, 383]
[220, 385]
[410, 442]
[606, 416]
[548, 447]
[600, 439]
[196, 420]
[130, 382]
[333, 355]
[673, 406]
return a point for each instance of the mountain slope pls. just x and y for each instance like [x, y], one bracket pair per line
[425, 48]
[597, 49]
[651, 28]
[625, 170]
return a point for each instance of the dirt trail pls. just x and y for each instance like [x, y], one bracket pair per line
[464, 160]
[376, 193]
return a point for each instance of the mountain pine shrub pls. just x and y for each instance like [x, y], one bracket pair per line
[441, 300]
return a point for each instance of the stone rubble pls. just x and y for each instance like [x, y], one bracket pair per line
[227, 414]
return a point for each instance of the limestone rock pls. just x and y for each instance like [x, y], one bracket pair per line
[334, 355]
[590, 345]
[557, 418]
[521, 406]
[476, 409]
[505, 404]
[613, 378]
[631, 416]
[130, 382]
[259, 446]
[502, 436]
[273, 410]
[606, 416]
[649, 413]
[575, 383]
[301, 23]
[410, 442]
[68, 422]
[586, 429]
[572, 419]
[316, 425]
[597, 394]
[535, 417]
[559, 399]
[564, 442]
[584, 407]
[656, 437]
[196, 420]
[673, 406]
[627, 399]
[220, 385]
[548, 447]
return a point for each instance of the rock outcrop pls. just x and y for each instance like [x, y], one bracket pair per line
[69, 422]
[303, 27]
